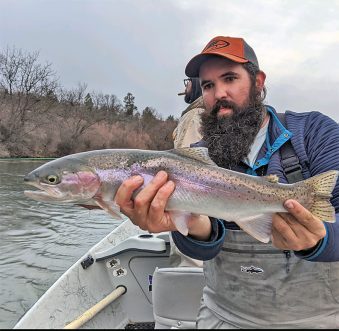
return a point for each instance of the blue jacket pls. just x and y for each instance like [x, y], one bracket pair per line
[315, 138]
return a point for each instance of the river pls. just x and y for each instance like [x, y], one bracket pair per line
[38, 241]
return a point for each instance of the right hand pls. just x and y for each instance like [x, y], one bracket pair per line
[147, 209]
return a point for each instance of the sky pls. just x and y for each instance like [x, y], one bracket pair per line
[143, 46]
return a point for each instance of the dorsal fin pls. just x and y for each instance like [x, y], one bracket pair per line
[196, 153]
[272, 178]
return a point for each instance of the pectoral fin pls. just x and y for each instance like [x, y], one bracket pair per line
[110, 207]
[258, 226]
[180, 219]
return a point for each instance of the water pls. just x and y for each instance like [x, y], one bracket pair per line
[38, 241]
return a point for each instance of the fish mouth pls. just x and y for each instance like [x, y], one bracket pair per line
[42, 196]
[44, 193]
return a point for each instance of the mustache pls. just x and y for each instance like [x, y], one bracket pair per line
[223, 104]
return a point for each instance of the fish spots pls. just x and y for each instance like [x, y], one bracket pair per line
[109, 161]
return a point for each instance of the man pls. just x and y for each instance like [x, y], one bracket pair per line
[186, 133]
[288, 282]
[188, 128]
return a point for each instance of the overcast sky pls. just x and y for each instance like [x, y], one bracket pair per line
[143, 46]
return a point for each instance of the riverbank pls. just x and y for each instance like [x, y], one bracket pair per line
[4, 152]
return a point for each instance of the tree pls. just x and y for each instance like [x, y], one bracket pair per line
[88, 101]
[129, 105]
[28, 86]
[21, 72]
[108, 104]
[149, 119]
[149, 114]
[77, 117]
[170, 118]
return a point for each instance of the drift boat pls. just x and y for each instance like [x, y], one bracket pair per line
[123, 282]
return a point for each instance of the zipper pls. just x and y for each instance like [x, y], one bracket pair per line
[287, 254]
[259, 251]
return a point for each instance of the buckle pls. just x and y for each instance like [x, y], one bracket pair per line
[292, 168]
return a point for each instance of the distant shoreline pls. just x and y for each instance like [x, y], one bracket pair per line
[26, 158]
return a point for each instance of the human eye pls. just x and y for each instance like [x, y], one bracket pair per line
[206, 86]
[230, 78]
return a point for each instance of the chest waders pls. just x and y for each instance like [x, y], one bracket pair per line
[254, 285]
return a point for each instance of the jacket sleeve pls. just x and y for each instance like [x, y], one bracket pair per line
[322, 148]
[202, 250]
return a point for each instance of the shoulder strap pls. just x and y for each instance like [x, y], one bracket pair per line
[289, 159]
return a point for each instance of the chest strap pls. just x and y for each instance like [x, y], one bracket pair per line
[289, 159]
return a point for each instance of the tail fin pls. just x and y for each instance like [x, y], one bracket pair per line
[322, 187]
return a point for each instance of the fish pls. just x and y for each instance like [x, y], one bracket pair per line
[91, 179]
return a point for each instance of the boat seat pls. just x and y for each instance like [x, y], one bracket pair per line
[176, 295]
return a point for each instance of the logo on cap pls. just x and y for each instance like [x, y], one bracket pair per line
[216, 44]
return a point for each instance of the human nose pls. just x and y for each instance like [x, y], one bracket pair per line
[220, 92]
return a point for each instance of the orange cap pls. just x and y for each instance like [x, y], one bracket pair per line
[234, 49]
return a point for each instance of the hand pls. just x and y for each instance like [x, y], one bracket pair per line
[147, 209]
[298, 229]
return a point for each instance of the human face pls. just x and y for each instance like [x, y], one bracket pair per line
[224, 80]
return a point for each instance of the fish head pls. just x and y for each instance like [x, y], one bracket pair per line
[64, 180]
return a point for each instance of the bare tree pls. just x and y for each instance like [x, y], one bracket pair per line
[21, 72]
[77, 118]
[109, 104]
[26, 87]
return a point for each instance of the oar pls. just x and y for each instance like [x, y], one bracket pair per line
[91, 312]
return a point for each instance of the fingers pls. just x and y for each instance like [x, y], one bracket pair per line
[143, 200]
[145, 196]
[282, 232]
[298, 229]
[147, 210]
[304, 216]
[123, 197]
[158, 205]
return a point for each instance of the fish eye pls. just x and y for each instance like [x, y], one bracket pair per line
[52, 179]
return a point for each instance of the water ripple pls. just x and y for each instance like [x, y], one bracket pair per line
[35, 241]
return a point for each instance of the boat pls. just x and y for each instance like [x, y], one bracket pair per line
[125, 281]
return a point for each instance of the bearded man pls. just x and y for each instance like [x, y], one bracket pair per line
[287, 283]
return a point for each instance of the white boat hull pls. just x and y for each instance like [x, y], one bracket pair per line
[128, 256]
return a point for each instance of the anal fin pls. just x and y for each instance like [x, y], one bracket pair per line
[180, 219]
[257, 226]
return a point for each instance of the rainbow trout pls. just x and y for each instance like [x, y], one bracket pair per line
[92, 179]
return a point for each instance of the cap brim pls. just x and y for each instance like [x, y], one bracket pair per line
[193, 66]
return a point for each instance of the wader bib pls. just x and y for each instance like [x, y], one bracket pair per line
[251, 284]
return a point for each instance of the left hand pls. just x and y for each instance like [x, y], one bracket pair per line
[298, 229]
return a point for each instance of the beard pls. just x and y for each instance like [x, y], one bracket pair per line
[229, 138]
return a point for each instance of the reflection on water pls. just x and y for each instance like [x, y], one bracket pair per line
[38, 241]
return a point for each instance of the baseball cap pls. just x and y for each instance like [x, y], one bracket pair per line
[234, 49]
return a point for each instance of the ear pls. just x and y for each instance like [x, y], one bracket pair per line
[260, 80]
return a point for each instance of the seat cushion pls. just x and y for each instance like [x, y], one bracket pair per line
[176, 295]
